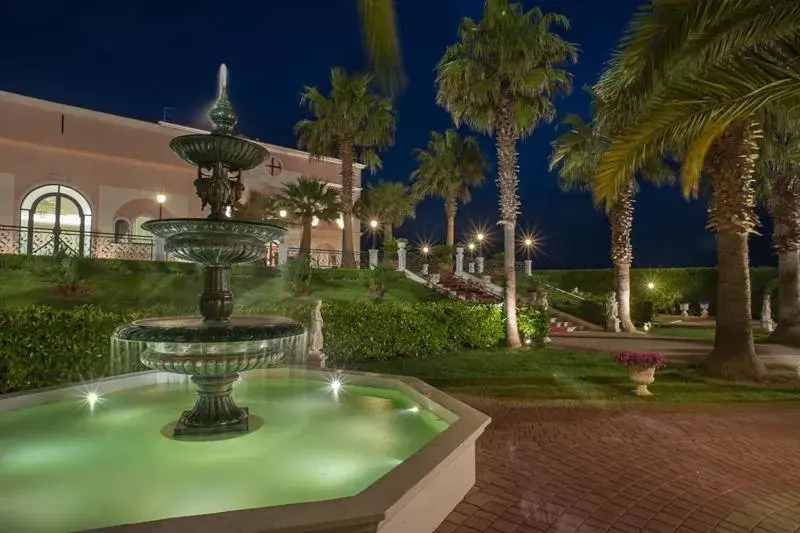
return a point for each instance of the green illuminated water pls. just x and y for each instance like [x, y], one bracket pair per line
[66, 467]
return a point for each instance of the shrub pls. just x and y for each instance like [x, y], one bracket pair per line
[385, 330]
[378, 280]
[297, 274]
[533, 324]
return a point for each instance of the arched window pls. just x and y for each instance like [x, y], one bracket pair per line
[55, 219]
[122, 230]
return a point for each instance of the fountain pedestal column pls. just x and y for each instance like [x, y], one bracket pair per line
[216, 301]
[214, 410]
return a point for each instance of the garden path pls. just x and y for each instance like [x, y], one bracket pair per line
[777, 358]
[563, 467]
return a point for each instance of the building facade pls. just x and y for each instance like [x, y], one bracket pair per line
[83, 182]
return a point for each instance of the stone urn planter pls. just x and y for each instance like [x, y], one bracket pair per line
[642, 377]
[434, 278]
[641, 369]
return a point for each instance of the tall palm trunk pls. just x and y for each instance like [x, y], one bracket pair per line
[305, 238]
[784, 208]
[730, 161]
[621, 218]
[450, 211]
[387, 233]
[348, 158]
[507, 182]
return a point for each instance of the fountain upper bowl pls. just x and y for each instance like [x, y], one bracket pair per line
[203, 150]
[215, 242]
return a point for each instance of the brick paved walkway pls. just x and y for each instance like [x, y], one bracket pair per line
[577, 468]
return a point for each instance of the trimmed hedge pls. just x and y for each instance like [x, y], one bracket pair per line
[42, 346]
[672, 285]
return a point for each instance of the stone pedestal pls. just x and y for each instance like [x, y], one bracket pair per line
[425, 269]
[528, 267]
[480, 265]
[158, 250]
[401, 255]
[283, 252]
[373, 258]
[703, 310]
[684, 310]
[471, 267]
[459, 261]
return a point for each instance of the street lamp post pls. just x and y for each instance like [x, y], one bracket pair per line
[373, 224]
[161, 198]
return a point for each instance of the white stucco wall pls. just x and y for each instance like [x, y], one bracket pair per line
[112, 198]
[8, 208]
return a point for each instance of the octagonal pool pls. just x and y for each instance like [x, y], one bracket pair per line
[94, 457]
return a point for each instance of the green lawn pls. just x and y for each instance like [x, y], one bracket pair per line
[136, 291]
[699, 332]
[563, 374]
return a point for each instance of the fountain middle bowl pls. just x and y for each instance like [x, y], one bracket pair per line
[192, 346]
[214, 242]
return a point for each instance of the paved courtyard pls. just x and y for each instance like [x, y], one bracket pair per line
[560, 467]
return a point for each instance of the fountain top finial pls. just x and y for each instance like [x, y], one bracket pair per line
[221, 113]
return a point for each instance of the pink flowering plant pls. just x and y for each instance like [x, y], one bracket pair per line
[640, 359]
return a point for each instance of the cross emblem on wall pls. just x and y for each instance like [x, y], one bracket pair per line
[274, 167]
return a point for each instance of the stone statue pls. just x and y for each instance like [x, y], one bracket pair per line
[540, 300]
[703, 309]
[684, 310]
[612, 313]
[316, 354]
[766, 314]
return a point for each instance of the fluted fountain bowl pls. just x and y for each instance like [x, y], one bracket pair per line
[215, 242]
[202, 149]
[214, 354]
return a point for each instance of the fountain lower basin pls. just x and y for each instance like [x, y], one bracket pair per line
[382, 454]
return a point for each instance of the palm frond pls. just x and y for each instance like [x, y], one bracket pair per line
[379, 25]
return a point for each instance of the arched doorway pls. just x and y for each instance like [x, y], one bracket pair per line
[55, 219]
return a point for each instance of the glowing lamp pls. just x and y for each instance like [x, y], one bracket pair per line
[315, 221]
[282, 213]
[651, 285]
[161, 198]
[373, 224]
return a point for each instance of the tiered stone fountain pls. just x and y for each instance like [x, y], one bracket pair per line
[216, 348]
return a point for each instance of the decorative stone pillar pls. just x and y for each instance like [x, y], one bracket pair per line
[373, 258]
[529, 267]
[703, 309]
[425, 269]
[158, 249]
[480, 265]
[612, 313]
[283, 252]
[401, 255]
[471, 267]
[459, 261]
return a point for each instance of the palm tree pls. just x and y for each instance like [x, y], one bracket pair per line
[305, 200]
[778, 173]
[391, 203]
[351, 123]
[500, 78]
[448, 168]
[690, 76]
[576, 154]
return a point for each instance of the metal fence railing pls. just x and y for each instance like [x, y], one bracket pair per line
[51, 241]
[323, 258]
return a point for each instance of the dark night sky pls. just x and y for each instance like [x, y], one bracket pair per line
[135, 58]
